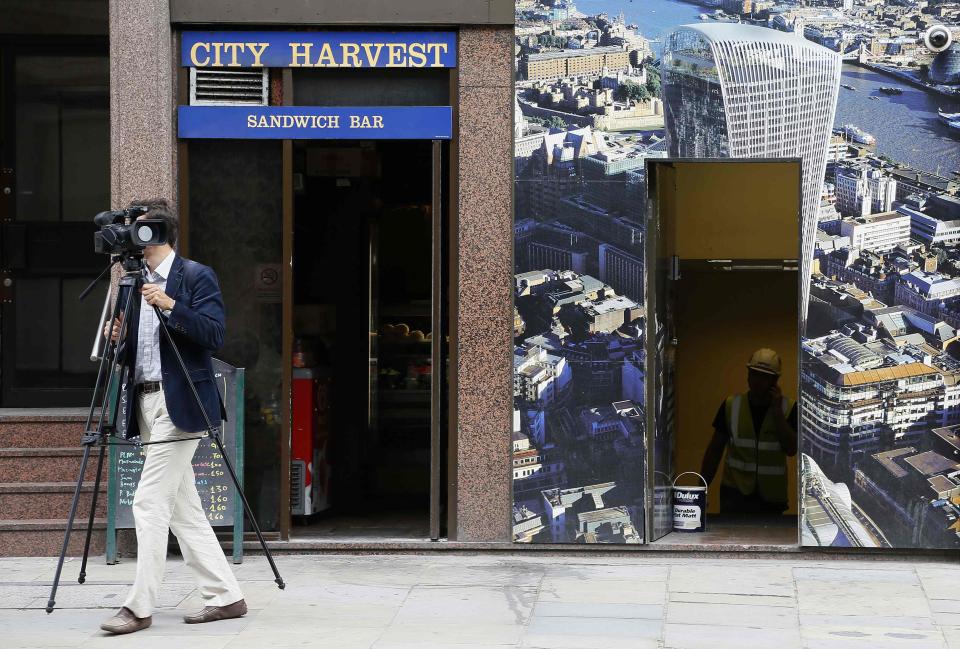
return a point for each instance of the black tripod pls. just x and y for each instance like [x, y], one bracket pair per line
[119, 359]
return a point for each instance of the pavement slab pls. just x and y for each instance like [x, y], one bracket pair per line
[591, 633]
[591, 609]
[952, 635]
[460, 601]
[606, 591]
[739, 615]
[751, 578]
[467, 605]
[864, 637]
[710, 636]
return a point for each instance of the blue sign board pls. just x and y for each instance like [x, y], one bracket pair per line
[319, 49]
[316, 122]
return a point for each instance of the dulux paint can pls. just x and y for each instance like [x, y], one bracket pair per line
[689, 506]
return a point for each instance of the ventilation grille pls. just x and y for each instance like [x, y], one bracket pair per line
[220, 87]
[297, 475]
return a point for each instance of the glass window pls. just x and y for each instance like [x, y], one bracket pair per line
[58, 118]
[235, 221]
[62, 137]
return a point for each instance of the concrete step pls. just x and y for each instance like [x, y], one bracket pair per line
[35, 500]
[44, 537]
[46, 464]
[41, 428]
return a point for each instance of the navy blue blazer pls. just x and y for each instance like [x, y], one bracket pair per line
[196, 324]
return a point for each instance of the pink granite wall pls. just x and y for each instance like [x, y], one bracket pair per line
[483, 392]
[142, 98]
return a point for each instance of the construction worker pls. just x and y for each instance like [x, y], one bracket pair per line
[758, 429]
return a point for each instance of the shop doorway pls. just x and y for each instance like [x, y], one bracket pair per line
[369, 341]
[725, 247]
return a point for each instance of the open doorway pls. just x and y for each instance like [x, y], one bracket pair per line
[730, 233]
[364, 347]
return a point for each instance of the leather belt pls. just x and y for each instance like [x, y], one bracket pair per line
[148, 387]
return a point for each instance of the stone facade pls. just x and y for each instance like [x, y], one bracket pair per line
[144, 95]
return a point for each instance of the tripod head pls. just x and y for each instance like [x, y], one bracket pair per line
[130, 262]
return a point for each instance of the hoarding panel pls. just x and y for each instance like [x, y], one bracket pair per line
[879, 408]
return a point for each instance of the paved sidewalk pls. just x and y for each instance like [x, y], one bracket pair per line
[495, 602]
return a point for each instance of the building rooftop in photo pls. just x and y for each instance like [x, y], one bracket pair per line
[941, 484]
[859, 356]
[886, 460]
[931, 463]
[876, 218]
[950, 435]
[923, 178]
[566, 497]
[749, 33]
[931, 283]
[563, 54]
[604, 515]
[608, 305]
[894, 373]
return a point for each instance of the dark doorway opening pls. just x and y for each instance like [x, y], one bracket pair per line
[54, 177]
[364, 340]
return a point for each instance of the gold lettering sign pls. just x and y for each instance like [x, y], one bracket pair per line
[321, 55]
[218, 54]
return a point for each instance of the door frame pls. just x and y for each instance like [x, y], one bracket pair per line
[443, 310]
[441, 211]
[652, 229]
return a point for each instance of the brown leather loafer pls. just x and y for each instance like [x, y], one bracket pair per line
[126, 622]
[214, 613]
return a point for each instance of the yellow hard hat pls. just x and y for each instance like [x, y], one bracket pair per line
[765, 360]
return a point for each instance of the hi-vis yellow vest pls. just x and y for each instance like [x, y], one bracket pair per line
[755, 463]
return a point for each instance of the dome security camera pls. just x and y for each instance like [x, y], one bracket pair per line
[937, 38]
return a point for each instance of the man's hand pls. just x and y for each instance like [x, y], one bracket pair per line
[786, 435]
[776, 398]
[155, 296]
[113, 335]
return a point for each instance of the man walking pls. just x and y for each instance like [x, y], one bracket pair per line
[189, 299]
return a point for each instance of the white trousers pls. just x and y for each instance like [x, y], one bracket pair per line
[167, 499]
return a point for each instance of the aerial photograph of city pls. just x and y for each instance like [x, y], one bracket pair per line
[866, 93]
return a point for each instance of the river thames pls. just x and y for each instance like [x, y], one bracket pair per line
[906, 126]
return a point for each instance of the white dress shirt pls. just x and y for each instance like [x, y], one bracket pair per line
[148, 337]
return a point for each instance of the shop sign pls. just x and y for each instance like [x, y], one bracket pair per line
[319, 49]
[316, 122]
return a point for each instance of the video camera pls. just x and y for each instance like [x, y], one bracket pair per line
[122, 234]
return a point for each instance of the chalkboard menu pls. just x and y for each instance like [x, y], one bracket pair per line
[218, 495]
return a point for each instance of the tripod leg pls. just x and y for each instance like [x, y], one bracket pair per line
[216, 438]
[93, 513]
[246, 506]
[106, 361]
[250, 516]
[66, 535]
[103, 373]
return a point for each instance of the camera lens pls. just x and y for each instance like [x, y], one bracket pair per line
[145, 233]
[938, 38]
